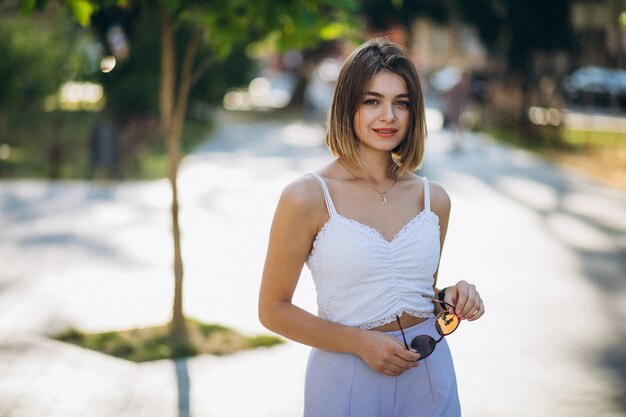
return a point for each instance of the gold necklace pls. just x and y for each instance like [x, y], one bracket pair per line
[383, 196]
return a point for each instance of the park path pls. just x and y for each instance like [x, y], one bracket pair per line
[545, 246]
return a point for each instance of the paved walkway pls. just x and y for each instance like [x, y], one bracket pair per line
[546, 247]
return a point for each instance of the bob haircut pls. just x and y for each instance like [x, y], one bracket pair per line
[372, 57]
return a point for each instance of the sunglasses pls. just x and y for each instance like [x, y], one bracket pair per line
[445, 323]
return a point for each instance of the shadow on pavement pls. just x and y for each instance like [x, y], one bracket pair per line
[184, 384]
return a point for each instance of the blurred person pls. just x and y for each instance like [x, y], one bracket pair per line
[455, 101]
[371, 233]
[104, 150]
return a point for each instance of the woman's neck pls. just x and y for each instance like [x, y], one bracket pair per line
[376, 166]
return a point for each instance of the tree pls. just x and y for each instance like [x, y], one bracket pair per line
[219, 25]
[520, 32]
[386, 14]
[38, 56]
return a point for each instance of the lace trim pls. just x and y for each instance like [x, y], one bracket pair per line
[371, 231]
[319, 236]
[387, 320]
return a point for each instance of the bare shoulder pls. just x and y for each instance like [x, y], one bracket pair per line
[439, 199]
[303, 197]
[305, 193]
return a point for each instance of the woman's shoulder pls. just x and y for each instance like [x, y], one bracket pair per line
[438, 193]
[304, 195]
[302, 190]
[439, 199]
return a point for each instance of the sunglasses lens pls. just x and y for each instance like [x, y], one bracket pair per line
[446, 323]
[424, 345]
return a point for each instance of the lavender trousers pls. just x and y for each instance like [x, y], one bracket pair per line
[342, 385]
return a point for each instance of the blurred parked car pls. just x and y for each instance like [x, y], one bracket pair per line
[594, 86]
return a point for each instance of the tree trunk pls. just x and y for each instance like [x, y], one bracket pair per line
[177, 325]
[173, 113]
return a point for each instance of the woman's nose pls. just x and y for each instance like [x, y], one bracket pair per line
[388, 113]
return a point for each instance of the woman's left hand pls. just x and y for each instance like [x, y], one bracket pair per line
[467, 301]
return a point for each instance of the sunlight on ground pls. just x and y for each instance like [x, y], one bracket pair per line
[577, 233]
[539, 196]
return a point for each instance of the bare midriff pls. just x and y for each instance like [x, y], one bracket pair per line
[406, 320]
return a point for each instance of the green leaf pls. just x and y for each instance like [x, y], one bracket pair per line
[27, 6]
[82, 10]
[333, 31]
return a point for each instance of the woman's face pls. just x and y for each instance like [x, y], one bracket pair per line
[382, 117]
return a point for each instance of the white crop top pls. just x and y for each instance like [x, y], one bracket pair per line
[363, 280]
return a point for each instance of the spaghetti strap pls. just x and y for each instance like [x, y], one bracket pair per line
[426, 194]
[329, 201]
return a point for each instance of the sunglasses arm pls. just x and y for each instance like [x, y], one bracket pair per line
[402, 330]
[440, 305]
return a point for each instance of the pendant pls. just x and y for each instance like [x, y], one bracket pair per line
[384, 198]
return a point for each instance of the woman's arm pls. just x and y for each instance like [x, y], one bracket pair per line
[300, 214]
[462, 295]
[440, 204]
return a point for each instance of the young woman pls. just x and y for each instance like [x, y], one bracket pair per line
[371, 233]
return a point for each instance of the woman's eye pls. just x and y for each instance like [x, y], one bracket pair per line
[404, 104]
[370, 101]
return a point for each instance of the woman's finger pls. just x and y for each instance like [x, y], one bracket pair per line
[479, 312]
[461, 288]
[407, 356]
[472, 303]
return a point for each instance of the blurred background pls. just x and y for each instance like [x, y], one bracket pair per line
[141, 139]
[545, 75]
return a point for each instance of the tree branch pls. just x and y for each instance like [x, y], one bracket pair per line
[167, 70]
[185, 82]
[201, 70]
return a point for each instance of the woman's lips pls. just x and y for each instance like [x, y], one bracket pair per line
[385, 132]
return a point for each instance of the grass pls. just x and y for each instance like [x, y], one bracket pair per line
[585, 138]
[599, 154]
[154, 343]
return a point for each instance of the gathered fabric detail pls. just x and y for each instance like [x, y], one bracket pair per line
[422, 216]
[364, 280]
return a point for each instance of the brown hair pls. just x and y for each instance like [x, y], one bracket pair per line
[372, 57]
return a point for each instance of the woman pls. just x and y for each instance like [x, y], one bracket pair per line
[371, 232]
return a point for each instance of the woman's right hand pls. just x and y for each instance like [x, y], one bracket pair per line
[385, 354]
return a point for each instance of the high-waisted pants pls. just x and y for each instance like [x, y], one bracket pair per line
[343, 385]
